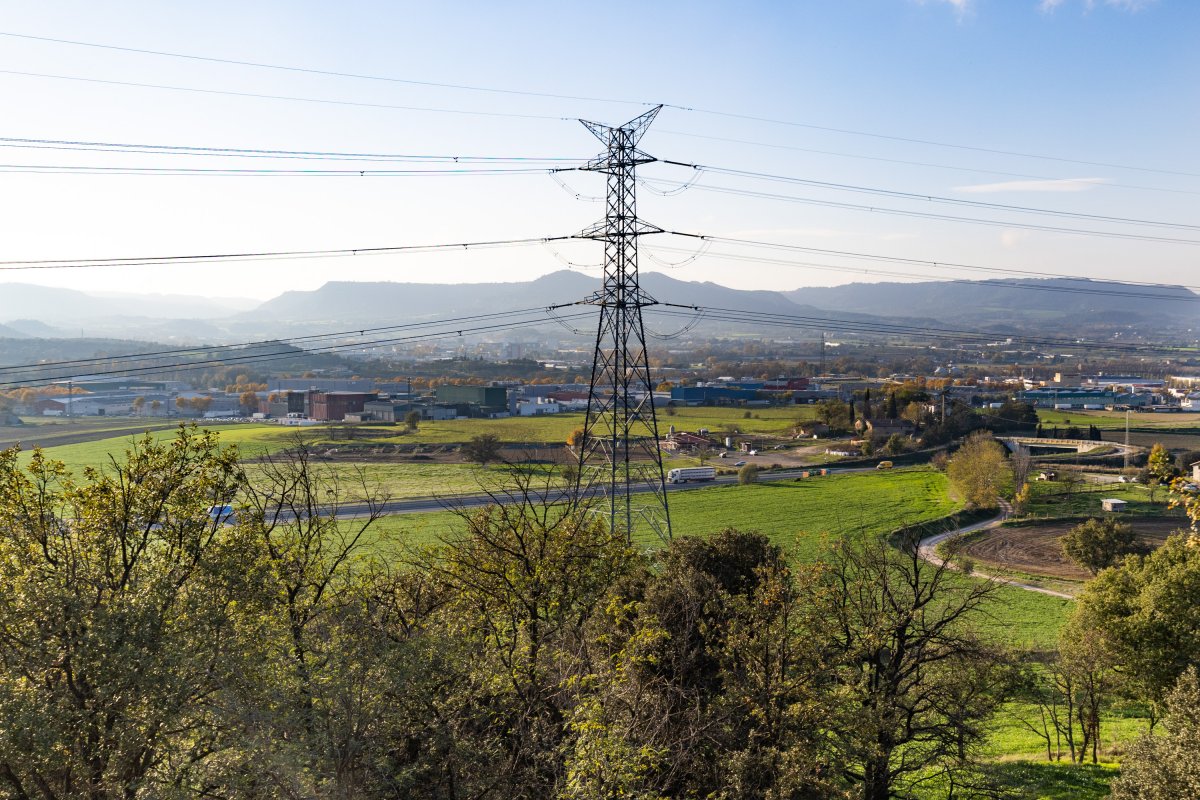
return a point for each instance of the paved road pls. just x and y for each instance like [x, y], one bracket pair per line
[421, 505]
[928, 551]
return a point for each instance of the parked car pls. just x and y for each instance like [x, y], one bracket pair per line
[739, 463]
[884, 465]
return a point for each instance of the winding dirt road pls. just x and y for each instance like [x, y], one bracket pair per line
[928, 551]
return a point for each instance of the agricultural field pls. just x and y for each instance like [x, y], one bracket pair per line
[1175, 431]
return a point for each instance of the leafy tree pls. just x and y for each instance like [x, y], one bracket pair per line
[138, 404]
[521, 584]
[709, 681]
[1147, 611]
[896, 444]
[1184, 461]
[1159, 463]
[1098, 543]
[892, 410]
[318, 670]
[1166, 767]
[980, 471]
[412, 420]
[126, 614]
[482, 449]
[575, 437]
[836, 414]
[748, 474]
[249, 400]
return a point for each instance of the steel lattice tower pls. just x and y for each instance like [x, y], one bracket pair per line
[619, 448]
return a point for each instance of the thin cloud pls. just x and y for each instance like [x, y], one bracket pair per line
[1129, 6]
[1061, 185]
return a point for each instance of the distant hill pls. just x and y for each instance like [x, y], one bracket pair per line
[371, 302]
[55, 305]
[989, 302]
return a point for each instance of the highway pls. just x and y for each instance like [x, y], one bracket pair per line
[421, 505]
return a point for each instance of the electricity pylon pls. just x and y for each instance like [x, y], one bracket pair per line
[619, 448]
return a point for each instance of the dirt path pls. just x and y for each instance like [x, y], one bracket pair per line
[928, 551]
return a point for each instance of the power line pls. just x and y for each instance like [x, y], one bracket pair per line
[900, 212]
[993, 282]
[331, 73]
[529, 93]
[912, 163]
[138, 261]
[933, 332]
[70, 169]
[294, 353]
[925, 262]
[844, 187]
[933, 143]
[293, 98]
[177, 351]
[243, 152]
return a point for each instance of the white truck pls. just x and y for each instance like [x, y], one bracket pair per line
[685, 474]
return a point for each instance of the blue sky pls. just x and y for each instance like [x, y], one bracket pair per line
[1110, 82]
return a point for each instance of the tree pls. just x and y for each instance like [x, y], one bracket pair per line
[896, 444]
[249, 400]
[322, 672]
[835, 414]
[127, 612]
[482, 449]
[979, 471]
[1147, 611]
[916, 684]
[575, 437]
[412, 419]
[1159, 463]
[522, 582]
[138, 404]
[155, 405]
[748, 474]
[1098, 543]
[708, 681]
[1166, 767]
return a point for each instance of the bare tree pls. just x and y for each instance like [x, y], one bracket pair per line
[919, 683]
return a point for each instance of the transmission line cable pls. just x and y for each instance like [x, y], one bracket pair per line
[261, 342]
[136, 261]
[765, 176]
[529, 93]
[996, 223]
[992, 282]
[243, 152]
[293, 98]
[923, 262]
[294, 353]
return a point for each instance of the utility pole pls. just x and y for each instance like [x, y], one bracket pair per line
[70, 394]
[1126, 437]
[619, 447]
[822, 352]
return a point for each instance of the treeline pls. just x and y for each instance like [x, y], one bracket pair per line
[148, 651]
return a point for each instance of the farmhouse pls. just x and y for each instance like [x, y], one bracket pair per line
[1112, 504]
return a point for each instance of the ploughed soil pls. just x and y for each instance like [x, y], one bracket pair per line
[1036, 550]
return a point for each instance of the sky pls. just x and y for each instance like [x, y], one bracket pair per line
[1087, 107]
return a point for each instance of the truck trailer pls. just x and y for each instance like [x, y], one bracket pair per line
[685, 474]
